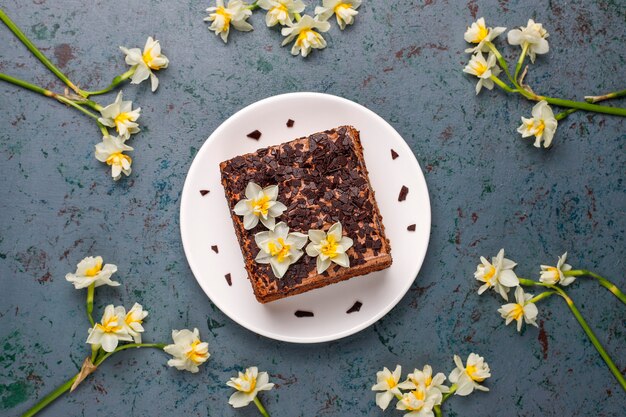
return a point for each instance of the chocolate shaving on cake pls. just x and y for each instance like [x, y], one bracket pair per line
[301, 313]
[355, 307]
[403, 193]
[394, 154]
[229, 280]
[204, 192]
[215, 249]
[256, 135]
[290, 123]
[410, 228]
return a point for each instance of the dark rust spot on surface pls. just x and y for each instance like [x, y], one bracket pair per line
[64, 54]
[543, 339]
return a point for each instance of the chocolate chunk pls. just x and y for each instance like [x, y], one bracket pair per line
[290, 123]
[410, 228]
[204, 192]
[215, 249]
[356, 307]
[301, 313]
[256, 135]
[394, 154]
[403, 193]
[229, 280]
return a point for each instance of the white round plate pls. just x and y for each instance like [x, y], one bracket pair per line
[205, 220]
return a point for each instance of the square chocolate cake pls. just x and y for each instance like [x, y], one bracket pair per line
[322, 180]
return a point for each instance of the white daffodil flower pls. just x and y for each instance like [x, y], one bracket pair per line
[90, 271]
[433, 384]
[259, 204]
[188, 351]
[498, 274]
[483, 69]
[418, 403]
[521, 310]
[467, 378]
[248, 386]
[110, 331]
[344, 11]
[121, 116]
[236, 14]
[329, 247]
[304, 32]
[480, 34]
[279, 248]
[133, 321]
[555, 274]
[110, 150]
[280, 11]
[387, 382]
[532, 36]
[146, 62]
[542, 125]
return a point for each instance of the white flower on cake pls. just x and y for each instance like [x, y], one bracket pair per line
[279, 248]
[419, 402]
[542, 125]
[555, 274]
[329, 247]
[236, 14]
[111, 330]
[111, 150]
[133, 322]
[121, 116]
[433, 384]
[304, 32]
[248, 386]
[387, 382]
[480, 34]
[259, 204]
[188, 351]
[521, 310]
[498, 274]
[280, 11]
[90, 271]
[146, 62]
[531, 38]
[467, 378]
[483, 69]
[344, 10]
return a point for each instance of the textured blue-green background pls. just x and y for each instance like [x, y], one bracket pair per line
[489, 189]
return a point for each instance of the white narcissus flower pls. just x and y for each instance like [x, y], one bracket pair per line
[498, 274]
[433, 384]
[110, 331]
[483, 69]
[280, 11]
[279, 248]
[555, 274]
[259, 204]
[329, 247]
[90, 271]
[344, 10]
[533, 37]
[304, 32]
[542, 125]
[521, 310]
[418, 403]
[146, 62]
[121, 116]
[236, 14]
[111, 150]
[248, 386]
[480, 34]
[387, 382]
[188, 351]
[133, 321]
[467, 378]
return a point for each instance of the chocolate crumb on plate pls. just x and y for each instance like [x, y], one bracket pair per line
[256, 135]
[403, 193]
[356, 307]
[394, 154]
[215, 249]
[229, 280]
[410, 228]
[204, 192]
[290, 123]
[301, 313]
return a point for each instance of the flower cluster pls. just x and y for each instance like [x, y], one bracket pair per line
[304, 31]
[422, 393]
[278, 246]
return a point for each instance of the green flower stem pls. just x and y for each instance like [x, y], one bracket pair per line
[114, 83]
[45, 401]
[601, 280]
[90, 291]
[501, 61]
[520, 61]
[615, 94]
[502, 85]
[564, 114]
[541, 296]
[259, 405]
[35, 51]
[592, 337]
[129, 346]
[297, 16]
[437, 408]
[580, 105]
[254, 6]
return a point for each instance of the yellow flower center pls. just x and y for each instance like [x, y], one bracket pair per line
[489, 274]
[94, 270]
[148, 59]
[341, 7]
[303, 36]
[419, 394]
[122, 118]
[195, 356]
[251, 384]
[221, 11]
[280, 251]
[117, 158]
[480, 68]
[391, 382]
[281, 8]
[329, 246]
[555, 271]
[482, 34]
[539, 128]
[518, 311]
[428, 381]
[471, 371]
[261, 206]
[109, 325]
[130, 319]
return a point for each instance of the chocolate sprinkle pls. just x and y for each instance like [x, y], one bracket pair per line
[215, 249]
[403, 193]
[229, 280]
[356, 307]
[256, 135]
[204, 192]
[290, 123]
[394, 154]
[410, 228]
[301, 313]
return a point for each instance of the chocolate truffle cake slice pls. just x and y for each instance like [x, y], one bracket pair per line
[322, 179]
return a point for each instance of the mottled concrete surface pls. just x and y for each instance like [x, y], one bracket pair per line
[489, 189]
